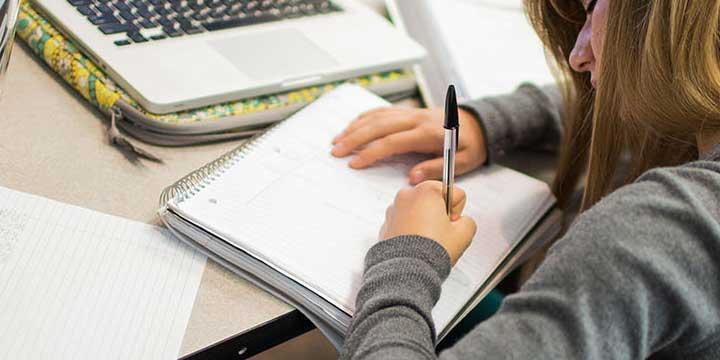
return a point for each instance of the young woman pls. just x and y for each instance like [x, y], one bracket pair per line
[636, 275]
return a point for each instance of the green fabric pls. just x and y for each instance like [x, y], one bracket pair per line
[81, 73]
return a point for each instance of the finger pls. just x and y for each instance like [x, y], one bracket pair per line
[458, 203]
[363, 119]
[388, 212]
[466, 229]
[433, 169]
[426, 170]
[358, 121]
[430, 186]
[393, 144]
[388, 219]
[381, 115]
[376, 111]
[368, 133]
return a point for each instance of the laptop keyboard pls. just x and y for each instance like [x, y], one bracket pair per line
[146, 20]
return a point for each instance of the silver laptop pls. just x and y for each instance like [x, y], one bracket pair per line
[173, 55]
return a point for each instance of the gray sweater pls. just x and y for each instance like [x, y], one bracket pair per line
[636, 277]
[528, 118]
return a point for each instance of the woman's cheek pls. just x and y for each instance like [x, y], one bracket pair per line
[599, 21]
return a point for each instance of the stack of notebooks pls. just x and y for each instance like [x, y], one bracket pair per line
[212, 123]
[286, 215]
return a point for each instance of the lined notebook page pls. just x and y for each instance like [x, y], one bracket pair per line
[289, 203]
[78, 284]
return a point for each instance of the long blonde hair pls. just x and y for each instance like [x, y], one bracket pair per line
[659, 87]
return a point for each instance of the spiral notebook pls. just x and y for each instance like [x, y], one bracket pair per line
[285, 214]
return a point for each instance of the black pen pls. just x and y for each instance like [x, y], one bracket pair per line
[452, 128]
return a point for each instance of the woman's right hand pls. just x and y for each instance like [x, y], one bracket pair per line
[384, 132]
[421, 211]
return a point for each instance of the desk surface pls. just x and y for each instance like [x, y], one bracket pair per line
[53, 144]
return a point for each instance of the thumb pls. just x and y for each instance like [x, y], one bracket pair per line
[426, 170]
[458, 202]
[464, 231]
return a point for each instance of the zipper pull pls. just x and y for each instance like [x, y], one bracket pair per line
[122, 143]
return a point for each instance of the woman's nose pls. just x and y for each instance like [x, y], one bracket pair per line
[582, 57]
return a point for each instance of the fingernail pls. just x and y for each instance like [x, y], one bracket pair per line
[416, 176]
[355, 162]
[338, 149]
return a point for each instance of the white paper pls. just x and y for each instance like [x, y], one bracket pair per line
[492, 46]
[291, 204]
[78, 284]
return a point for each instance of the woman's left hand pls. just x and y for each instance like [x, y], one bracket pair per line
[421, 211]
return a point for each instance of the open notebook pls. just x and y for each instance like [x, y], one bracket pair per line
[284, 213]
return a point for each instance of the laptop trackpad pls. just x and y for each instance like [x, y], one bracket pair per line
[278, 54]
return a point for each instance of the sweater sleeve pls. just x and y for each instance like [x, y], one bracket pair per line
[527, 118]
[391, 321]
[635, 277]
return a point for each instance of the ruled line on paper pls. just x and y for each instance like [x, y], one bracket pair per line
[79, 284]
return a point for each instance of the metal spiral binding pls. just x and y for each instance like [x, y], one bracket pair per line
[197, 180]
